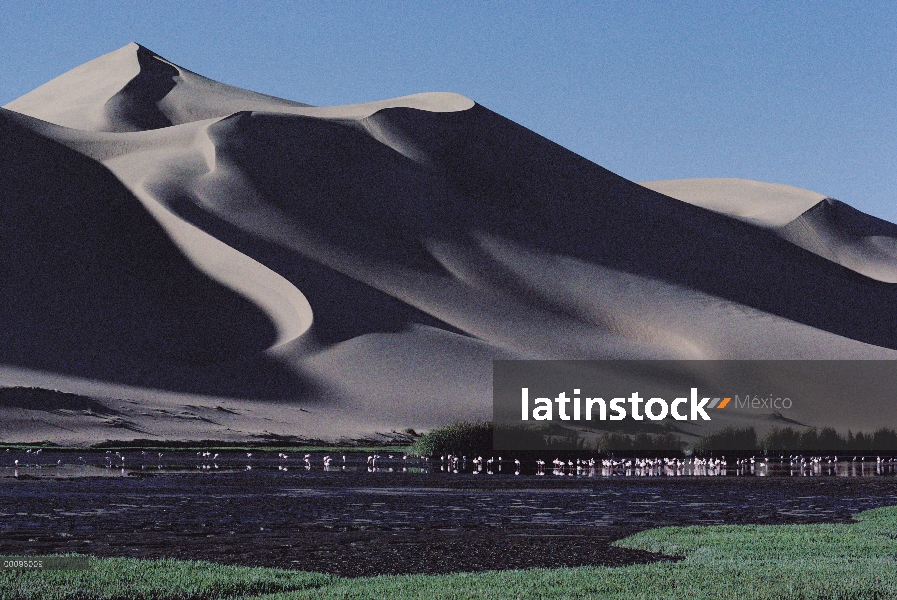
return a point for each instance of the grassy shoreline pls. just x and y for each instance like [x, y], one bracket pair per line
[856, 560]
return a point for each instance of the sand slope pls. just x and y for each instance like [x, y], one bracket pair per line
[133, 89]
[824, 226]
[178, 248]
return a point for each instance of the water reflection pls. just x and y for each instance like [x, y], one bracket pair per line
[50, 463]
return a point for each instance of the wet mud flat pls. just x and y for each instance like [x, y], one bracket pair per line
[361, 523]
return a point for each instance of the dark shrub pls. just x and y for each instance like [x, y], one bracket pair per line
[728, 440]
[458, 438]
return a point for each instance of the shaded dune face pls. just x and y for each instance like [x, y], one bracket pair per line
[91, 284]
[452, 175]
[338, 184]
[824, 226]
[844, 235]
[135, 107]
[344, 307]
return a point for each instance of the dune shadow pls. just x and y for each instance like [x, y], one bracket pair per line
[92, 286]
[134, 107]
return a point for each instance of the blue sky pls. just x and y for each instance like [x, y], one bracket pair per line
[802, 93]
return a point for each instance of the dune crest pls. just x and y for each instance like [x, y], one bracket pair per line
[755, 202]
[824, 226]
[134, 89]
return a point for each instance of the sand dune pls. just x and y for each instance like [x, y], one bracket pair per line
[93, 286]
[768, 205]
[824, 226]
[133, 89]
[334, 272]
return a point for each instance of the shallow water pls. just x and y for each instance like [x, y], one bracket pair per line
[401, 516]
[74, 490]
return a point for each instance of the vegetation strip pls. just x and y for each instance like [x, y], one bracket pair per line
[753, 562]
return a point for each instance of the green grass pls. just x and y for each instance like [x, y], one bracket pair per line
[133, 579]
[770, 562]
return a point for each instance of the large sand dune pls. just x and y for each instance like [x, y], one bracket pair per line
[214, 263]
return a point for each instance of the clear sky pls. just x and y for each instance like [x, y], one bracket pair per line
[802, 93]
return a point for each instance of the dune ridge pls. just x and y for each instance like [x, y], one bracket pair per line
[824, 226]
[134, 89]
[328, 272]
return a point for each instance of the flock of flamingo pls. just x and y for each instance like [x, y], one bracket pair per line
[450, 463]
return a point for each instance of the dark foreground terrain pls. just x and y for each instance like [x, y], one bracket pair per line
[355, 522]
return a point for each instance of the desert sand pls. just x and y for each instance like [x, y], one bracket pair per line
[210, 263]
